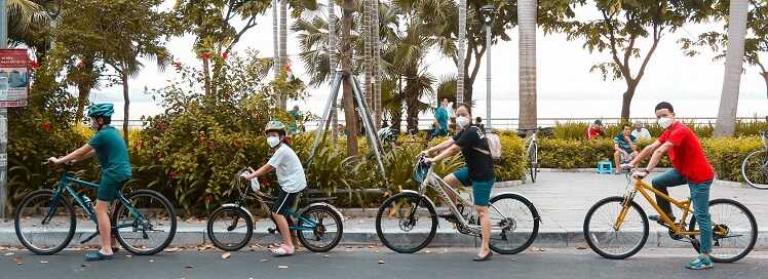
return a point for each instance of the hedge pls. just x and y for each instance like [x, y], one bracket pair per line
[725, 154]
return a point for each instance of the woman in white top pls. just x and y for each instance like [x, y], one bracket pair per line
[290, 176]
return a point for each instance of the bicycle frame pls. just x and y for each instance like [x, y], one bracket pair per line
[643, 188]
[434, 181]
[64, 186]
[263, 200]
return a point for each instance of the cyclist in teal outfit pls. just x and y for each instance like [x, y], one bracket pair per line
[112, 152]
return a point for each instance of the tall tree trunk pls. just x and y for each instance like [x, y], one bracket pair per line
[283, 45]
[126, 107]
[84, 86]
[207, 78]
[765, 78]
[412, 101]
[626, 99]
[346, 67]
[376, 63]
[275, 38]
[365, 31]
[526, 14]
[332, 49]
[460, 79]
[729, 99]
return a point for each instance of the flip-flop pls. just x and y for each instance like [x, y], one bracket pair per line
[282, 251]
[97, 256]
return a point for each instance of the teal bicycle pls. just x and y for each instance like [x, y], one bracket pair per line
[319, 225]
[143, 221]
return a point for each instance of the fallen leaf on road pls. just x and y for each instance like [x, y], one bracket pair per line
[226, 255]
[370, 246]
[326, 256]
[173, 249]
[129, 256]
[18, 260]
[540, 249]
[263, 260]
[8, 254]
[427, 252]
[151, 261]
[581, 248]
[188, 267]
[43, 262]
[381, 261]
[282, 266]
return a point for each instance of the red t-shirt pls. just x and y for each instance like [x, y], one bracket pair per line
[686, 154]
[593, 132]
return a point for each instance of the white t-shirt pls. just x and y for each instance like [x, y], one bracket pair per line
[642, 134]
[290, 173]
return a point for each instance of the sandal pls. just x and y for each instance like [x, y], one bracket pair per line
[97, 256]
[282, 251]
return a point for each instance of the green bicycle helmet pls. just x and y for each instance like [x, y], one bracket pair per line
[101, 110]
[275, 126]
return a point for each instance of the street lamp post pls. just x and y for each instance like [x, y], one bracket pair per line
[487, 13]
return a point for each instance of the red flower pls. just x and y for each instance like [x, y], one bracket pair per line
[177, 65]
[33, 65]
[47, 127]
[225, 55]
[205, 55]
[172, 175]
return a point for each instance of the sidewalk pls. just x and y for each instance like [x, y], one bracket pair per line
[562, 199]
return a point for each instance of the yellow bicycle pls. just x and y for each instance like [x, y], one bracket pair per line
[617, 227]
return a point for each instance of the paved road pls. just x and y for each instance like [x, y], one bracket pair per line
[377, 263]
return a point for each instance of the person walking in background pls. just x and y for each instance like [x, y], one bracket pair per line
[640, 132]
[479, 123]
[595, 130]
[441, 119]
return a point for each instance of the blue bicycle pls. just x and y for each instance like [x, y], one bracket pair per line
[143, 221]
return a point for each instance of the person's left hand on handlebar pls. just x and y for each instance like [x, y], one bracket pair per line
[640, 174]
[54, 160]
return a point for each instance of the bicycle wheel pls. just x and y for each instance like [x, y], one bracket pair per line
[514, 223]
[43, 225]
[609, 242]
[533, 158]
[148, 227]
[324, 228]
[406, 222]
[734, 230]
[230, 228]
[754, 169]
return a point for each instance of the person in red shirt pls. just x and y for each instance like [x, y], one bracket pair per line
[690, 167]
[595, 130]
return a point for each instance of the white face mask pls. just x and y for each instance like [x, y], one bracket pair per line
[665, 122]
[273, 141]
[462, 121]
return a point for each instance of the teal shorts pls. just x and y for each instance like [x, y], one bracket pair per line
[481, 190]
[108, 187]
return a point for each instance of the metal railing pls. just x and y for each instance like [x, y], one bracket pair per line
[509, 123]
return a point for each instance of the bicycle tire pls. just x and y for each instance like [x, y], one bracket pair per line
[588, 231]
[420, 201]
[320, 231]
[746, 164]
[18, 223]
[240, 213]
[171, 218]
[752, 224]
[534, 226]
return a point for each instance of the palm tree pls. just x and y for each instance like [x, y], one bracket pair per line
[729, 99]
[462, 41]
[526, 14]
[283, 43]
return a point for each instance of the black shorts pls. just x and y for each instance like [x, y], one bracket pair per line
[285, 202]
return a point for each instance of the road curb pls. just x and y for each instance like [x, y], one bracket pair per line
[552, 239]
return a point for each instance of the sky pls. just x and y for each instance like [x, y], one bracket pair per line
[565, 86]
